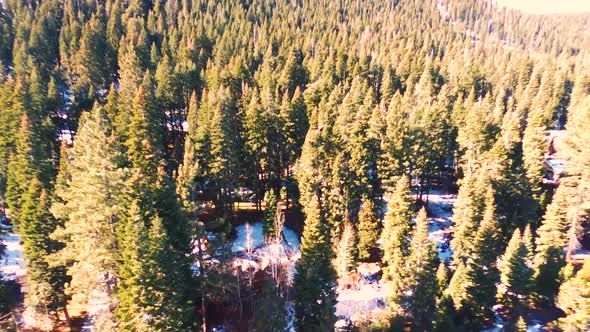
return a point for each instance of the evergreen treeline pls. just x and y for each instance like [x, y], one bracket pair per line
[121, 119]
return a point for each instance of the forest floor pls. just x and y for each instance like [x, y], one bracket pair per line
[12, 269]
[12, 263]
[368, 297]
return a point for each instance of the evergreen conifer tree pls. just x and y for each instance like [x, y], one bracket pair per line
[270, 211]
[315, 281]
[552, 238]
[520, 325]
[422, 288]
[396, 232]
[26, 162]
[46, 296]
[467, 215]
[574, 298]
[476, 293]
[516, 274]
[368, 229]
[347, 251]
[90, 206]
[442, 278]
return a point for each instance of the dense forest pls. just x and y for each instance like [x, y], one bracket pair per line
[225, 165]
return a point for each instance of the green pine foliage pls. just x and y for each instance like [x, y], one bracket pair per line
[467, 215]
[474, 284]
[520, 325]
[270, 211]
[45, 298]
[368, 229]
[315, 279]
[269, 314]
[396, 232]
[24, 165]
[516, 273]
[347, 251]
[442, 278]
[175, 107]
[89, 206]
[574, 297]
[421, 286]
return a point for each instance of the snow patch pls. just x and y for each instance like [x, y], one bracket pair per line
[291, 239]
[98, 305]
[256, 239]
[440, 207]
[362, 300]
[290, 310]
[12, 263]
[365, 296]
[244, 242]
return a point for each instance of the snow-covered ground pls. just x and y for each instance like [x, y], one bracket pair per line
[440, 210]
[291, 239]
[98, 305]
[371, 294]
[256, 239]
[558, 165]
[500, 324]
[244, 242]
[290, 309]
[366, 296]
[260, 253]
[362, 300]
[12, 263]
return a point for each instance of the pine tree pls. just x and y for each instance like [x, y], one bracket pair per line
[458, 283]
[554, 228]
[148, 299]
[520, 325]
[172, 241]
[38, 93]
[131, 75]
[552, 238]
[64, 170]
[527, 239]
[115, 114]
[422, 288]
[26, 162]
[368, 229]
[224, 147]
[315, 281]
[132, 237]
[393, 162]
[295, 125]
[269, 313]
[467, 215]
[270, 211]
[445, 315]
[574, 299]
[46, 294]
[516, 275]
[534, 148]
[15, 100]
[91, 64]
[187, 171]
[168, 296]
[347, 252]
[308, 176]
[476, 293]
[396, 232]
[579, 164]
[442, 278]
[144, 141]
[89, 206]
